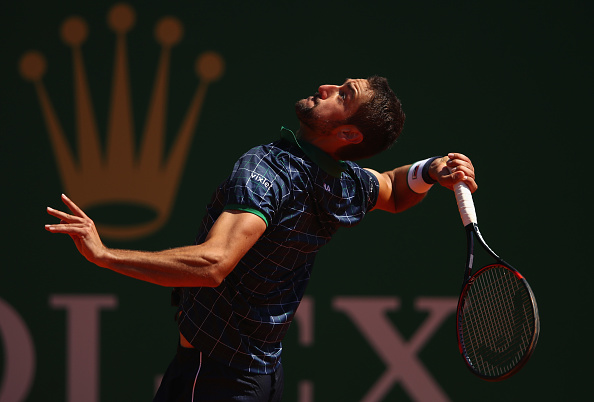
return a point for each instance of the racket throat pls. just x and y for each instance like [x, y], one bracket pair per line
[470, 254]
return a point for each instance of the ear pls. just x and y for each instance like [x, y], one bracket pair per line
[348, 133]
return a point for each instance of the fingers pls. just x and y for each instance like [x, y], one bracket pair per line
[460, 162]
[73, 207]
[78, 230]
[461, 169]
[66, 218]
[74, 225]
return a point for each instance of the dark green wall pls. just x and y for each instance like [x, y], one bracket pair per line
[507, 83]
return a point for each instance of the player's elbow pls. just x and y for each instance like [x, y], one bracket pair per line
[220, 266]
[215, 278]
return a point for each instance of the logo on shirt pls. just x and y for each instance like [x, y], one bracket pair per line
[261, 179]
[327, 187]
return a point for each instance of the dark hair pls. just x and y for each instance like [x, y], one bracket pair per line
[380, 120]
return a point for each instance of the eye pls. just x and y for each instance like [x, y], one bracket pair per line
[342, 95]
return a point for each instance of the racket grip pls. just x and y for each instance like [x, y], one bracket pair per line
[465, 203]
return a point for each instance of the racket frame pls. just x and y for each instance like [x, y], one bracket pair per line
[472, 233]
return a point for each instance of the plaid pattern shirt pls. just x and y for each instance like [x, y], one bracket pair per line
[243, 321]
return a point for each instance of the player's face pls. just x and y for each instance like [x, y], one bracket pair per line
[332, 104]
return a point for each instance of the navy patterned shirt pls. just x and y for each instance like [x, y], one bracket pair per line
[304, 196]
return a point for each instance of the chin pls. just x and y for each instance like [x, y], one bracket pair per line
[302, 109]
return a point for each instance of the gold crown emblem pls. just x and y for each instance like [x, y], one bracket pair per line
[120, 175]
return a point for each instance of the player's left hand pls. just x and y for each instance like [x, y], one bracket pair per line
[80, 228]
[453, 168]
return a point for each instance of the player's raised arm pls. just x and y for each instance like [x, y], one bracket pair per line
[407, 185]
[206, 264]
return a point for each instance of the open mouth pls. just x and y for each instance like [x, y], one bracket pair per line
[315, 98]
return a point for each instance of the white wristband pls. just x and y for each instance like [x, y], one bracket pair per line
[418, 177]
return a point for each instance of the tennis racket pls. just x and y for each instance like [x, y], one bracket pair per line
[497, 316]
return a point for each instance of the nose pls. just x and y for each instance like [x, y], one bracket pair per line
[326, 90]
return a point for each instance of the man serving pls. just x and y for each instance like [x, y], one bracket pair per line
[238, 287]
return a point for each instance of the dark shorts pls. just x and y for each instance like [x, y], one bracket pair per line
[194, 377]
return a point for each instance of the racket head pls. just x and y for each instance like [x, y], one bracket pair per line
[497, 322]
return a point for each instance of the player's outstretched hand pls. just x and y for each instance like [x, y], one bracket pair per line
[80, 228]
[453, 168]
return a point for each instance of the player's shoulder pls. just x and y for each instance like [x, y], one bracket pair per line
[266, 151]
[354, 169]
[275, 160]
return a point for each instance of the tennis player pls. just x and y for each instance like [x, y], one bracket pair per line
[238, 287]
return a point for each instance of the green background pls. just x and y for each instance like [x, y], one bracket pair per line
[508, 83]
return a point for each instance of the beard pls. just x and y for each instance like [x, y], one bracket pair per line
[305, 113]
[307, 116]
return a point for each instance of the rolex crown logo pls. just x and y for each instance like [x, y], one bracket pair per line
[119, 174]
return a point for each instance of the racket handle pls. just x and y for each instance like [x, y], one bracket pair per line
[465, 203]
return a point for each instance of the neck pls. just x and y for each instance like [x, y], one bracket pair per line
[324, 141]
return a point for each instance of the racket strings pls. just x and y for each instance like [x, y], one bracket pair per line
[494, 321]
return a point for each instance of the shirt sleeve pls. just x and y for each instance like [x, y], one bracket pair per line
[368, 185]
[258, 184]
